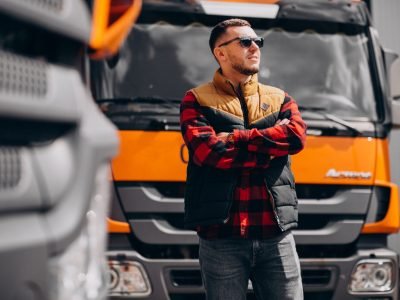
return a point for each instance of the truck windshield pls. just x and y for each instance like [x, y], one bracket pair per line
[329, 71]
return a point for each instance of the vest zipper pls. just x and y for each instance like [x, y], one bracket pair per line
[243, 105]
[274, 208]
[226, 220]
[245, 110]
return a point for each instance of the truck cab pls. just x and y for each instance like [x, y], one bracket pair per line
[327, 55]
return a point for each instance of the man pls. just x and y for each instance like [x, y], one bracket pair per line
[240, 194]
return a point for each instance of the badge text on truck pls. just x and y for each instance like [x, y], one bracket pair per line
[332, 173]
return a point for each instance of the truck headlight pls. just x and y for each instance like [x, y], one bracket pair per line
[128, 278]
[372, 275]
[80, 273]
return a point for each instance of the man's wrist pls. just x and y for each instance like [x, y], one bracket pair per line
[230, 138]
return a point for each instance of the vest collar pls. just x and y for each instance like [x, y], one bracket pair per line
[248, 88]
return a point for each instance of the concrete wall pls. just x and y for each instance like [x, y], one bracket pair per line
[386, 17]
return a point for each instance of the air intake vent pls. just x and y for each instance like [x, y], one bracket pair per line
[19, 75]
[54, 5]
[181, 278]
[10, 167]
[316, 277]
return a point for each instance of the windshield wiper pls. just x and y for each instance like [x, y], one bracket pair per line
[166, 102]
[320, 111]
[152, 99]
[139, 106]
[142, 113]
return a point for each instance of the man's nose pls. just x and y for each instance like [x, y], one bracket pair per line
[254, 46]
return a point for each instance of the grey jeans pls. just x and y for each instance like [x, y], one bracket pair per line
[272, 265]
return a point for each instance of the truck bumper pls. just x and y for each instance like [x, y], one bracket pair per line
[323, 278]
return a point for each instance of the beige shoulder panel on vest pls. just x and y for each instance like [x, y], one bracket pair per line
[202, 93]
[276, 94]
[207, 95]
[270, 102]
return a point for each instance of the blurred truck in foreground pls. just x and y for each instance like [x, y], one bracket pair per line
[55, 148]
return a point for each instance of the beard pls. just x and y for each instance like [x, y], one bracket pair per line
[245, 71]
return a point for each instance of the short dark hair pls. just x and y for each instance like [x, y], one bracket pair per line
[221, 27]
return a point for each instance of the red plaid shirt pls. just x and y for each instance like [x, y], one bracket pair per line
[251, 214]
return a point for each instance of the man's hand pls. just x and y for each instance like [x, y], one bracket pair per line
[226, 137]
[282, 122]
[223, 134]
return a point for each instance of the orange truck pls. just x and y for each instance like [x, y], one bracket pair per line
[327, 55]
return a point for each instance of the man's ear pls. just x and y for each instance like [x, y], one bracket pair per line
[219, 54]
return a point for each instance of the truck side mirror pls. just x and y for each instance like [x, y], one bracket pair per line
[394, 80]
[389, 56]
[111, 22]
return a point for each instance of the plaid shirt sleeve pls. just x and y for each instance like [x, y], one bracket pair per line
[207, 149]
[278, 140]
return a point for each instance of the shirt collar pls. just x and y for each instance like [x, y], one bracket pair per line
[248, 88]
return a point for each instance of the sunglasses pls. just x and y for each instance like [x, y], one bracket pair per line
[246, 42]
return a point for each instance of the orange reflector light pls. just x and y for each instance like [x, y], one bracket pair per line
[118, 227]
[391, 222]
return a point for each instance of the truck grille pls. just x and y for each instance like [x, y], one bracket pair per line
[19, 75]
[10, 167]
[328, 215]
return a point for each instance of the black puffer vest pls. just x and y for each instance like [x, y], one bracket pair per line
[209, 191]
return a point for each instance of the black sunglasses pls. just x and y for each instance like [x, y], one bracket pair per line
[246, 42]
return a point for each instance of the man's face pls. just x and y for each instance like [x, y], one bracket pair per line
[244, 60]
